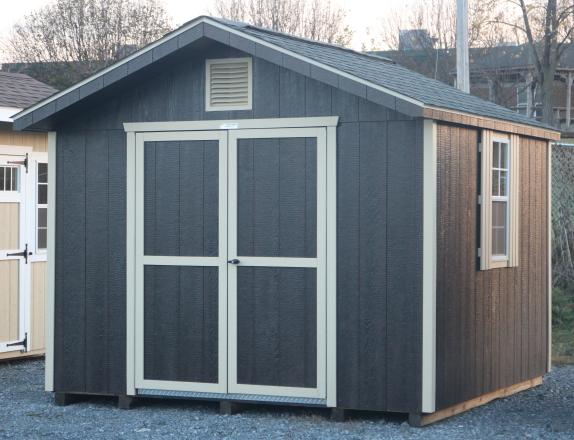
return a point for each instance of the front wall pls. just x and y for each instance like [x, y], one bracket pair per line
[379, 228]
[492, 326]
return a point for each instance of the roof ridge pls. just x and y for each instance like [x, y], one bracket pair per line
[242, 25]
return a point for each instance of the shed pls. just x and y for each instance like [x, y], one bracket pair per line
[247, 216]
[23, 210]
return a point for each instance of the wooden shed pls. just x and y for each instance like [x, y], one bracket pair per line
[248, 216]
[23, 215]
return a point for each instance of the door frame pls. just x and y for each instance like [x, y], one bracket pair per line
[22, 197]
[135, 129]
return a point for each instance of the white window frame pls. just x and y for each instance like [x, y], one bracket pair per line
[211, 62]
[512, 198]
[502, 198]
[40, 253]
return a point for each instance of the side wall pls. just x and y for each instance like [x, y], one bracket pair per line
[379, 227]
[492, 326]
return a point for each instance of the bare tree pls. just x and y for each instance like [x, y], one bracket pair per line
[547, 26]
[321, 20]
[70, 39]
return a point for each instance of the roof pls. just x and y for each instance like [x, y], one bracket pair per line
[21, 91]
[376, 78]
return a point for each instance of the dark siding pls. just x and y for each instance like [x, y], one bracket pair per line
[491, 325]
[379, 246]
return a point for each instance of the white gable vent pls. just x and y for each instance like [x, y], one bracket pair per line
[228, 84]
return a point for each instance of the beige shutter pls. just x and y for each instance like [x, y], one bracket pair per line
[485, 203]
[228, 84]
[513, 247]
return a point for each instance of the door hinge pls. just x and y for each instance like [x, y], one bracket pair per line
[24, 254]
[479, 199]
[23, 343]
[20, 162]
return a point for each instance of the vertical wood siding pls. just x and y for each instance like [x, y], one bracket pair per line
[492, 324]
[379, 226]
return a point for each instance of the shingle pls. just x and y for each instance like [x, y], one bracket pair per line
[21, 91]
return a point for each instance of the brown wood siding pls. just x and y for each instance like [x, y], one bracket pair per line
[492, 325]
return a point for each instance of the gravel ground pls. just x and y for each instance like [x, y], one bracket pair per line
[27, 412]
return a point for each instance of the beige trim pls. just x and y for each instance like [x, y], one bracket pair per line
[229, 29]
[486, 260]
[226, 124]
[50, 268]
[514, 218]
[429, 266]
[130, 260]
[549, 209]
[10, 150]
[331, 267]
[208, 84]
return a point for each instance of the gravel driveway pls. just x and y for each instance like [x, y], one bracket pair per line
[27, 412]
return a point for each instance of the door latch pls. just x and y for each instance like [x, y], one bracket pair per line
[23, 343]
[234, 261]
[24, 254]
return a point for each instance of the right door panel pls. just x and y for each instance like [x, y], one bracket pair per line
[277, 256]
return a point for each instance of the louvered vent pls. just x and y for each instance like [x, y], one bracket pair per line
[228, 84]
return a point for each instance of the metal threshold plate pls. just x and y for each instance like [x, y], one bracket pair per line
[307, 401]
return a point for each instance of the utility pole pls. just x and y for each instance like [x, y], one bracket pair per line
[462, 70]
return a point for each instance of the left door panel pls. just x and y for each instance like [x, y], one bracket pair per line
[181, 261]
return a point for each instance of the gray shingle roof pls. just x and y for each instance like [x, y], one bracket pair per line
[21, 91]
[385, 73]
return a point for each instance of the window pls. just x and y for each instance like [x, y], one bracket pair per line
[499, 200]
[228, 84]
[42, 206]
[9, 178]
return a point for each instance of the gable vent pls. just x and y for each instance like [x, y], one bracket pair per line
[228, 84]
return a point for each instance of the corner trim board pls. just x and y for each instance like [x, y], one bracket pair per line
[549, 212]
[429, 266]
[50, 265]
[130, 258]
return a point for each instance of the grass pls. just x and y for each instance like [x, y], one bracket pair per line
[563, 324]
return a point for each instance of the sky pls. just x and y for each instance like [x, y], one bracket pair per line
[362, 14]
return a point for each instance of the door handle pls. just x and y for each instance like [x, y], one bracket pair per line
[233, 261]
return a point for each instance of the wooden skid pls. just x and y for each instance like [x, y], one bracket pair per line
[419, 420]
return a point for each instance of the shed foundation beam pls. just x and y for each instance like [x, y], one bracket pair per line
[126, 402]
[228, 408]
[65, 399]
[418, 420]
[338, 414]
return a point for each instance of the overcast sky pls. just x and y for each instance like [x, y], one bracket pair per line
[362, 13]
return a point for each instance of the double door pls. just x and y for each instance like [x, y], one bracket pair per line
[230, 263]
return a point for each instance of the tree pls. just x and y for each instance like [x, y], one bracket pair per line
[548, 26]
[320, 20]
[69, 40]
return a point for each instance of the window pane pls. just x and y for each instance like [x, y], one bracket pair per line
[42, 194]
[15, 179]
[42, 217]
[42, 238]
[499, 228]
[503, 183]
[495, 155]
[503, 155]
[8, 179]
[42, 173]
[495, 177]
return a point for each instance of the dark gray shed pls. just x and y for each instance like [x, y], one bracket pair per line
[244, 215]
